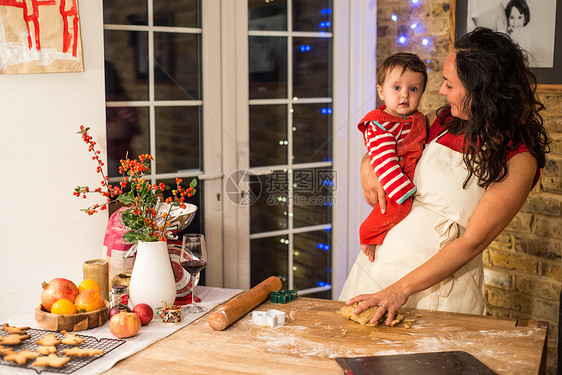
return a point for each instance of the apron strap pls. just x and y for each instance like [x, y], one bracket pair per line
[449, 230]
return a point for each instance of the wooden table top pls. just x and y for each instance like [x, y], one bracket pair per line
[314, 335]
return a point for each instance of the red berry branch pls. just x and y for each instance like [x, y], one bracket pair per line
[141, 216]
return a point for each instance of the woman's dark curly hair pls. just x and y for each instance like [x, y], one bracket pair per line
[501, 100]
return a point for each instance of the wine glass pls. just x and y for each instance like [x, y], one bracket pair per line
[193, 258]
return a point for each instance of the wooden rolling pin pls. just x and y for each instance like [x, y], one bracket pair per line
[243, 303]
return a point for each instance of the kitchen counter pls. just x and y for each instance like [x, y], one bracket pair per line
[314, 335]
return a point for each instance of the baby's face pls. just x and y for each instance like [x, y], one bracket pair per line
[401, 91]
[516, 20]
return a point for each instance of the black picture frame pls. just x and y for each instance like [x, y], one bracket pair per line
[548, 79]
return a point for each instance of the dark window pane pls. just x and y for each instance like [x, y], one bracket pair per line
[312, 266]
[269, 211]
[177, 66]
[268, 257]
[268, 135]
[312, 67]
[176, 13]
[177, 139]
[123, 12]
[312, 196]
[312, 119]
[127, 135]
[268, 67]
[267, 15]
[124, 55]
[312, 15]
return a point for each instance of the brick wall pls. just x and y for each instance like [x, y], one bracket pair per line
[523, 266]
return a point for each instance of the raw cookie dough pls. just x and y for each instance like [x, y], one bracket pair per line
[365, 316]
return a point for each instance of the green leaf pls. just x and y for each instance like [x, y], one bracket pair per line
[131, 220]
[129, 237]
[127, 198]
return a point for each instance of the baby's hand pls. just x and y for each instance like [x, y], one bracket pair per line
[369, 251]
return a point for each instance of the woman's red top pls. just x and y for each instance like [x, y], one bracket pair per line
[455, 142]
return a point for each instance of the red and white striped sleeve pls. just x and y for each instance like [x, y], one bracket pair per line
[381, 145]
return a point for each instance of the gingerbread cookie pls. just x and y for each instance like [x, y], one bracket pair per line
[21, 357]
[46, 350]
[81, 352]
[14, 330]
[13, 339]
[52, 360]
[4, 350]
[50, 340]
[71, 339]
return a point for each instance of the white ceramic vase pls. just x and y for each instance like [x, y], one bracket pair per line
[152, 279]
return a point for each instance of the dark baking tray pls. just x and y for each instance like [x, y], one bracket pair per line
[439, 363]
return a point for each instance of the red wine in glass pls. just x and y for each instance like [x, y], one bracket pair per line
[193, 266]
[193, 258]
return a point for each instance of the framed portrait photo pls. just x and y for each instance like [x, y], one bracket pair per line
[536, 25]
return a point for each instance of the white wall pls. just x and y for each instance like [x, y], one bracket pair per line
[43, 233]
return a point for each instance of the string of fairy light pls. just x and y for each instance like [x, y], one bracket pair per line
[403, 35]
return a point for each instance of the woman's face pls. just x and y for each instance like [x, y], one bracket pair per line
[452, 87]
[516, 20]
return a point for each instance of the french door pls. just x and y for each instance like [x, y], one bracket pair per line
[255, 100]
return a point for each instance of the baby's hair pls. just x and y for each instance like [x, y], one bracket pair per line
[404, 60]
[522, 7]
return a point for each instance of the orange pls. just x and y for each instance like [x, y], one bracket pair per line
[89, 300]
[63, 307]
[88, 284]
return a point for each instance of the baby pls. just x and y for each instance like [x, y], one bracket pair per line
[395, 135]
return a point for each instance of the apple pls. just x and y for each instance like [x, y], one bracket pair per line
[117, 309]
[125, 324]
[145, 313]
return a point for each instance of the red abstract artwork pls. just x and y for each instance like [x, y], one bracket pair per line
[40, 36]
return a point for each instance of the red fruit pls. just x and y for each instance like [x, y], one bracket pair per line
[57, 289]
[124, 324]
[117, 309]
[144, 312]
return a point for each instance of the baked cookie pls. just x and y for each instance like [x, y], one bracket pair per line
[81, 352]
[20, 357]
[14, 330]
[46, 350]
[5, 350]
[13, 339]
[71, 338]
[52, 360]
[49, 340]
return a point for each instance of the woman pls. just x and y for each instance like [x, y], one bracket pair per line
[483, 157]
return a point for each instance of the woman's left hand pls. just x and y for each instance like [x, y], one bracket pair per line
[389, 299]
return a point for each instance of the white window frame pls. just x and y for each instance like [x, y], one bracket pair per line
[210, 176]
[226, 130]
[354, 94]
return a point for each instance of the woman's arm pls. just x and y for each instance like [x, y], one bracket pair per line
[372, 188]
[499, 204]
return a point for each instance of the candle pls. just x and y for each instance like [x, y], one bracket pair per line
[98, 270]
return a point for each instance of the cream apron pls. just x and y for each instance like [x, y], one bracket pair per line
[440, 213]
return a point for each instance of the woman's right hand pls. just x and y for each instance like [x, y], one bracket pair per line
[389, 299]
[372, 188]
